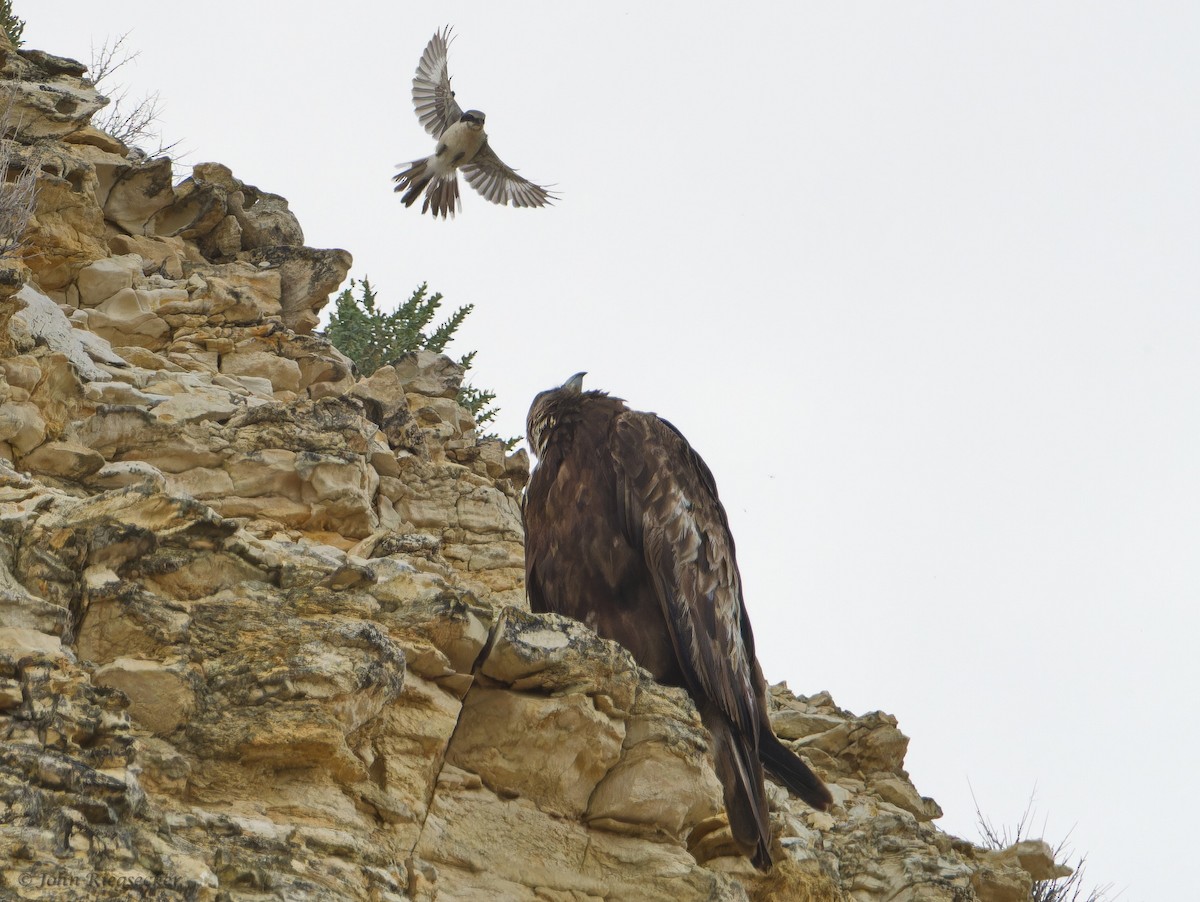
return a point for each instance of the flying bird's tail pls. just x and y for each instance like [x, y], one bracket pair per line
[793, 773]
[441, 191]
[741, 777]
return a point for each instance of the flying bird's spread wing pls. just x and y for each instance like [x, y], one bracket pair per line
[500, 184]
[436, 107]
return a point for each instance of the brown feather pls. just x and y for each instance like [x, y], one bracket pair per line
[625, 531]
[442, 196]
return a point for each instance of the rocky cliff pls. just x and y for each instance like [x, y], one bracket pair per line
[262, 624]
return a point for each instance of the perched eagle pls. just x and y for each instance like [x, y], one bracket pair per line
[624, 531]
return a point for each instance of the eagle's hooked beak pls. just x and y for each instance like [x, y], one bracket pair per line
[574, 385]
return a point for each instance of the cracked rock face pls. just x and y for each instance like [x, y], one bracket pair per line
[262, 624]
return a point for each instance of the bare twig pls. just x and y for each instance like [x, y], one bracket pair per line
[130, 123]
[110, 57]
[18, 184]
[1062, 889]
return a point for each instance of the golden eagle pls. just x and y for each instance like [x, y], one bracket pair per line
[624, 531]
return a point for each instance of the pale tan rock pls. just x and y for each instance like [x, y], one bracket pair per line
[429, 375]
[16, 643]
[22, 426]
[131, 323]
[21, 609]
[382, 458]
[133, 303]
[224, 241]
[406, 749]
[239, 292]
[40, 321]
[480, 842]
[120, 393]
[328, 478]
[21, 370]
[1001, 884]
[663, 783]
[340, 494]
[48, 98]
[252, 386]
[1033, 856]
[138, 356]
[263, 219]
[483, 536]
[271, 471]
[283, 374]
[307, 278]
[128, 473]
[198, 404]
[100, 350]
[500, 732]
[421, 604]
[789, 723]
[99, 281]
[553, 653]
[67, 229]
[323, 368]
[160, 697]
[159, 254]
[442, 419]
[266, 221]
[68, 460]
[58, 394]
[485, 510]
[868, 744]
[10, 694]
[385, 402]
[93, 137]
[205, 484]
[95, 170]
[516, 468]
[194, 211]
[138, 193]
[902, 794]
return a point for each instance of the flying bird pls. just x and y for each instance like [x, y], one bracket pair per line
[624, 531]
[461, 144]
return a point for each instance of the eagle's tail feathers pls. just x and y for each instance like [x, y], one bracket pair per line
[740, 773]
[793, 773]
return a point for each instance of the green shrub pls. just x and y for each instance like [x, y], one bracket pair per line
[13, 27]
[372, 338]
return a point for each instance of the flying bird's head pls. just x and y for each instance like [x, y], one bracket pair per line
[473, 118]
[543, 414]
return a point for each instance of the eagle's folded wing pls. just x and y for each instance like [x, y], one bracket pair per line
[670, 506]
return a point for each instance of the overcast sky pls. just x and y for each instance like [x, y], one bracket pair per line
[921, 281]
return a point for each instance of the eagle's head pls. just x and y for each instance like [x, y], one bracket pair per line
[474, 118]
[542, 419]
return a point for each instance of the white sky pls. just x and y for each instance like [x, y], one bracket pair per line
[919, 280]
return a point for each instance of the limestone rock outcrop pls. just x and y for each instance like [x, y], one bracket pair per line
[262, 622]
